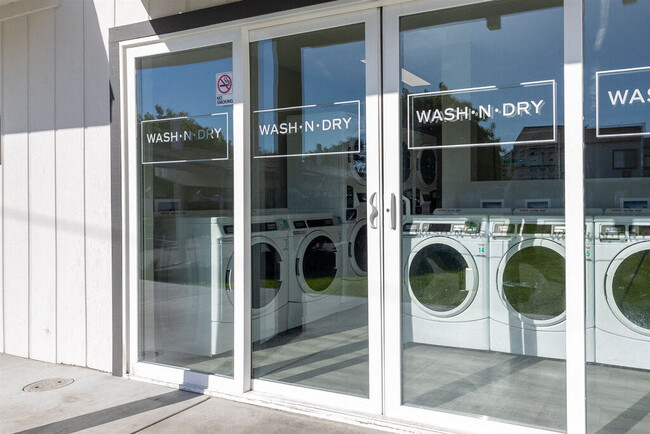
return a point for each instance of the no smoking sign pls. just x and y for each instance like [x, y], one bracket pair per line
[224, 88]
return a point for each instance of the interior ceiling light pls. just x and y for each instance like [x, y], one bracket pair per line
[412, 79]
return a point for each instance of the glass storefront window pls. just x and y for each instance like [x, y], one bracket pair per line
[484, 297]
[617, 199]
[309, 184]
[186, 189]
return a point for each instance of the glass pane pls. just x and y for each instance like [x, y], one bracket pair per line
[617, 199]
[483, 302]
[186, 311]
[309, 179]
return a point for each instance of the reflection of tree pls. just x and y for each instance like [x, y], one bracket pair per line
[480, 132]
[206, 148]
[486, 161]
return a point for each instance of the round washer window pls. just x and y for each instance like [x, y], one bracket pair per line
[319, 263]
[428, 166]
[266, 278]
[437, 277]
[631, 288]
[534, 282]
[360, 249]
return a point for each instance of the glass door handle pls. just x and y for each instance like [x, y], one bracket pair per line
[393, 214]
[372, 219]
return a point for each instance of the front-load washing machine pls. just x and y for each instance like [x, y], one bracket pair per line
[317, 251]
[207, 246]
[355, 233]
[445, 289]
[427, 169]
[527, 276]
[622, 254]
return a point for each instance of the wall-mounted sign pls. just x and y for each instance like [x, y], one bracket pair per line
[623, 102]
[307, 130]
[224, 88]
[183, 139]
[519, 114]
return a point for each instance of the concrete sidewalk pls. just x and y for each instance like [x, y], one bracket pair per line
[99, 402]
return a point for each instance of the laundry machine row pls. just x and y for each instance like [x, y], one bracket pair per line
[496, 281]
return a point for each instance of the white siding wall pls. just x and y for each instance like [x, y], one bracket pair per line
[55, 174]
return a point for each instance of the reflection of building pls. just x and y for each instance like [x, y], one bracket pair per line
[617, 157]
[522, 162]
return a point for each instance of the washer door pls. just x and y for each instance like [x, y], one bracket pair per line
[317, 263]
[266, 279]
[358, 248]
[427, 168]
[531, 281]
[442, 276]
[627, 287]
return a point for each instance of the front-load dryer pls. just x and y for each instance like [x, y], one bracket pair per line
[445, 289]
[355, 233]
[622, 254]
[527, 275]
[207, 244]
[317, 250]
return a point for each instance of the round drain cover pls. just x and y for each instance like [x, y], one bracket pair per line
[49, 384]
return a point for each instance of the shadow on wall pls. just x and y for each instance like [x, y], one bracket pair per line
[163, 8]
[56, 173]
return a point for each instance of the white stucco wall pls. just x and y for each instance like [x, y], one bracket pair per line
[55, 174]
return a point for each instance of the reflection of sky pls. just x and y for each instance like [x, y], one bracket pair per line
[183, 88]
[527, 47]
[616, 37]
[329, 73]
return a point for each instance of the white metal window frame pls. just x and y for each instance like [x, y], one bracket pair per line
[385, 354]
[132, 212]
[373, 404]
[574, 199]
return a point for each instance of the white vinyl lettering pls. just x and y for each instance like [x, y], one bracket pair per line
[617, 97]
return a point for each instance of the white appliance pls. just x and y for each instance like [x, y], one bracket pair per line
[446, 287]
[420, 179]
[355, 178]
[355, 233]
[317, 250]
[427, 169]
[205, 321]
[527, 271]
[622, 290]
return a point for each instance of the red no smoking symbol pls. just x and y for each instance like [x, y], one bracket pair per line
[224, 84]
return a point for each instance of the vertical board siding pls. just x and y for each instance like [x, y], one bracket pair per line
[71, 272]
[42, 193]
[15, 184]
[98, 18]
[131, 11]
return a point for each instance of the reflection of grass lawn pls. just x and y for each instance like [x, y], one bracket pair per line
[439, 291]
[349, 286]
[631, 288]
[534, 282]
